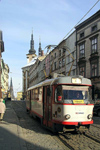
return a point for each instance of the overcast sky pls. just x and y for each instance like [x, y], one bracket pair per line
[50, 19]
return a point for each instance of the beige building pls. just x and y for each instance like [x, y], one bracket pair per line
[19, 95]
[36, 73]
[58, 59]
[71, 54]
[88, 51]
[4, 78]
[1, 50]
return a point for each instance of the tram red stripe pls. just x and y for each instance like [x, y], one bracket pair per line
[72, 123]
[36, 114]
[71, 104]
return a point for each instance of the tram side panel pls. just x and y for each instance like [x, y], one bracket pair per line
[36, 102]
[28, 101]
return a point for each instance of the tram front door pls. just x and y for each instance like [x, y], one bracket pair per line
[47, 110]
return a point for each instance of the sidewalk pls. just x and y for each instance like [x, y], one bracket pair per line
[10, 132]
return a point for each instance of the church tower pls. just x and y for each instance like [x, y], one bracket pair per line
[32, 51]
[11, 90]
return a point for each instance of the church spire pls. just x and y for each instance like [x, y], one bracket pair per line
[11, 90]
[32, 50]
[39, 50]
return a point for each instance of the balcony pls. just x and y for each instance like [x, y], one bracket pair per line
[81, 60]
[94, 56]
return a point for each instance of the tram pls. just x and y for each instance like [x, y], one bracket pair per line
[62, 102]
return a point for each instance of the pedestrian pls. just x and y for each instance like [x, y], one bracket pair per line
[2, 109]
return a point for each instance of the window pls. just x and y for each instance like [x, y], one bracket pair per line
[59, 53]
[40, 94]
[94, 71]
[60, 64]
[58, 94]
[82, 35]
[55, 65]
[55, 55]
[36, 93]
[73, 93]
[82, 50]
[94, 28]
[52, 57]
[64, 50]
[82, 70]
[94, 45]
[63, 62]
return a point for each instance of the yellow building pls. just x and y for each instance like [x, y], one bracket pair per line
[4, 79]
[19, 95]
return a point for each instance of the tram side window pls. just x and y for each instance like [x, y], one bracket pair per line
[28, 95]
[58, 94]
[31, 94]
[40, 94]
[36, 94]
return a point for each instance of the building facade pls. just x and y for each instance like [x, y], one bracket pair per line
[27, 71]
[78, 54]
[19, 95]
[1, 50]
[4, 79]
[88, 51]
[71, 54]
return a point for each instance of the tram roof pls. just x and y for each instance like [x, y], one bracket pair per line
[63, 80]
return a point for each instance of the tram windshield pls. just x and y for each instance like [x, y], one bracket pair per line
[72, 94]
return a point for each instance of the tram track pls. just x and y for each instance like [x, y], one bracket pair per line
[94, 138]
[72, 140]
[97, 126]
[75, 141]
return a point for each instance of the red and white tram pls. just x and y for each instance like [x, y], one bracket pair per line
[62, 102]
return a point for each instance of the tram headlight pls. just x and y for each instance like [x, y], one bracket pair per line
[89, 116]
[67, 116]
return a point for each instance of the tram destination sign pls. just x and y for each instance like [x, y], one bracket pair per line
[76, 80]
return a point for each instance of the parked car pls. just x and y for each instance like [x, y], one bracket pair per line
[96, 109]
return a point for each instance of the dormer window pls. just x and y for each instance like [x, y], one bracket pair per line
[94, 28]
[81, 35]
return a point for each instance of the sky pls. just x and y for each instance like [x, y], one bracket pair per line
[49, 20]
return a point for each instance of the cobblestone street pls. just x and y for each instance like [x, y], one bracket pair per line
[26, 133]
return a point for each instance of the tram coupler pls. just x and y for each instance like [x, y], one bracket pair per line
[82, 129]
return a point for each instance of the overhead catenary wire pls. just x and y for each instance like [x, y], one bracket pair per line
[49, 46]
[80, 20]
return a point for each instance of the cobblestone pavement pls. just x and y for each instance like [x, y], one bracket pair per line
[34, 137]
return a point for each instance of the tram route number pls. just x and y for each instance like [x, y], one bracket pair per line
[78, 101]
